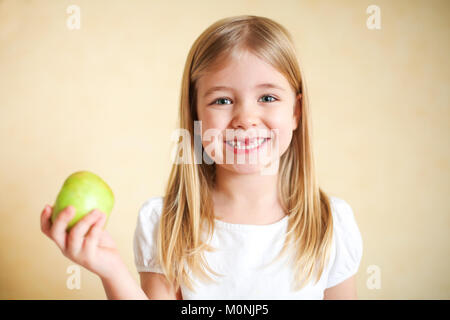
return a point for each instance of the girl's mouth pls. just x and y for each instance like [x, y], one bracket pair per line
[247, 146]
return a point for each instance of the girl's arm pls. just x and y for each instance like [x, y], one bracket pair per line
[345, 290]
[122, 286]
[156, 287]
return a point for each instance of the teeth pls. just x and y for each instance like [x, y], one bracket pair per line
[241, 145]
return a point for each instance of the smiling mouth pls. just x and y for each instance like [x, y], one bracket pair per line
[248, 144]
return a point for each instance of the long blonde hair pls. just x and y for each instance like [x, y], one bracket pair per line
[187, 206]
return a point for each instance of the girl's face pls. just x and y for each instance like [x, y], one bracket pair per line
[248, 112]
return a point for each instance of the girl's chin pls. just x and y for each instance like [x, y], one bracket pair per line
[244, 168]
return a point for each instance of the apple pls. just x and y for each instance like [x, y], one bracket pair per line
[85, 191]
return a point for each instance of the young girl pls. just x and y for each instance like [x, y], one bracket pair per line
[233, 229]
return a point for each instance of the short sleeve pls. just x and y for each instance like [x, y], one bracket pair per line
[145, 236]
[348, 243]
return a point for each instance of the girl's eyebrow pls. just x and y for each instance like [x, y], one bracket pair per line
[261, 85]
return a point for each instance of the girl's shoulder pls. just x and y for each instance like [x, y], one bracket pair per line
[344, 220]
[348, 242]
[342, 212]
[150, 211]
[151, 206]
[145, 235]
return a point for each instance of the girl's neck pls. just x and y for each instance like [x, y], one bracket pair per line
[249, 198]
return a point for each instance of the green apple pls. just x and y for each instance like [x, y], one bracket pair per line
[85, 191]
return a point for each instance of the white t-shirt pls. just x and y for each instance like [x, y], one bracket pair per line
[245, 251]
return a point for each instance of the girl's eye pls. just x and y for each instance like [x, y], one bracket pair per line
[271, 99]
[221, 99]
[274, 99]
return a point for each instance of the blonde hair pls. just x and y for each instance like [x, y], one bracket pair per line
[187, 206]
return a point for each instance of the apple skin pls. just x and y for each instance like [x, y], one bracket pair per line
[85, 191]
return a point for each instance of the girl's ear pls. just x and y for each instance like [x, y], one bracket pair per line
[297, 111]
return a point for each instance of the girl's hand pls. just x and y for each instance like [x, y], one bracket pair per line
[86, 244]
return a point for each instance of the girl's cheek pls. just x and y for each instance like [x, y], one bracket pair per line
[285, 137]
[211, 119]
[210, 132]
[283, 133]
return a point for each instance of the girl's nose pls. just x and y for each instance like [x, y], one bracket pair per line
[245, 118]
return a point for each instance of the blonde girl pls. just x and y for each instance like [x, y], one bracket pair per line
[233, 229]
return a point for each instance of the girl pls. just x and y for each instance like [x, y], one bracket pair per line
[233, 229]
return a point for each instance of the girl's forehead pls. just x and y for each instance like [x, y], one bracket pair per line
[243, 61]
[234, 59]
[244, 71]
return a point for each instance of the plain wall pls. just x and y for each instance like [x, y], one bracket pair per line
[104, 98]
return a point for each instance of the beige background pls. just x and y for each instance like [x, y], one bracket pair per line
[105, 98]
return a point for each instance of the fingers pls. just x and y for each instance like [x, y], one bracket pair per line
[78, 232]
[58, 229]
[93, 237]
[46, 224]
